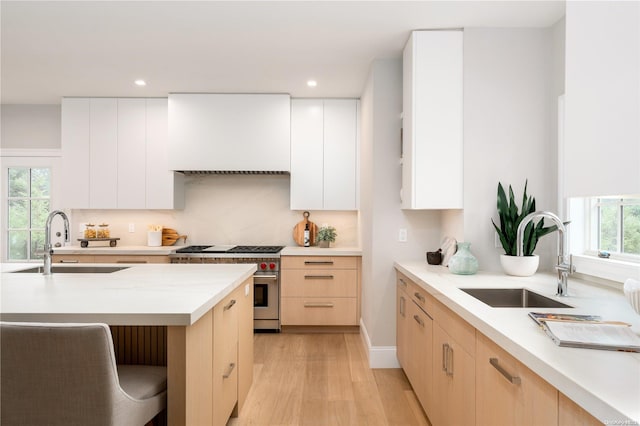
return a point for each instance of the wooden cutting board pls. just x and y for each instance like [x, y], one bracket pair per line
[170, 236]
[298, 231]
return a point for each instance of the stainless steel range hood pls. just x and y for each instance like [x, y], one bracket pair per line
[225, 133]
[232, 172]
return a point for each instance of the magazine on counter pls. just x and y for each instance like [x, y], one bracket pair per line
[538, 317]
[592, 335]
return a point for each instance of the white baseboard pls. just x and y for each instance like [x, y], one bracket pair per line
[379, 356]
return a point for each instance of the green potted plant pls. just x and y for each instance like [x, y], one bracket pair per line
[510, 218]
[326, 235]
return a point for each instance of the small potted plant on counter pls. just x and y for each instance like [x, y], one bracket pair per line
[326, 235]
[510, 218]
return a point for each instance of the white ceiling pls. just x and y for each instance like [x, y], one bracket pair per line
[83, 48]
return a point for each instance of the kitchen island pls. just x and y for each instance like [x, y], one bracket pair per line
[604, 383]
[191, 301]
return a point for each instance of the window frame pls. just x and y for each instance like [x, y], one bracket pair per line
[27, 158]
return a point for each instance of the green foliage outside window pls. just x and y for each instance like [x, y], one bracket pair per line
[29, 192]
[619, 220]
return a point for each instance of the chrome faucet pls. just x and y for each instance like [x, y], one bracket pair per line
[564, 264]
[48, 250]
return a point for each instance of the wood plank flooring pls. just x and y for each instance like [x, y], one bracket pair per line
[324, 379]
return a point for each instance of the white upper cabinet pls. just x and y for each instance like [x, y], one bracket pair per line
[602, 99]
[432, 161]
[114, 153]
[229, 132]
[324, 148]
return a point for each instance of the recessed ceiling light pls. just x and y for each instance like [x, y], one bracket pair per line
[312, 83]
[140, 82]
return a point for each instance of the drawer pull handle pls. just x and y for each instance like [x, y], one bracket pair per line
[420, 297]
[445, 353]
[70, 261]
[229, 305]
[318, 262]
[418, 320]
[318, 277]
[131, 261]
[318, 305]
[513, 379]
[229, 371]
[450, 362]
[404, 284]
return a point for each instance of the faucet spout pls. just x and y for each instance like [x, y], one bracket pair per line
[564, 265]
[48, 249]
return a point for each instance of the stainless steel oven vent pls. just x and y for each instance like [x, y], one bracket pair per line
[232, 172]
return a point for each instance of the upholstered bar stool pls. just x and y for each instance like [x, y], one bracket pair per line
[66, 374]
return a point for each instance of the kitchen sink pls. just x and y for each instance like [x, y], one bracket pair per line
[76, 269]
[513, 298]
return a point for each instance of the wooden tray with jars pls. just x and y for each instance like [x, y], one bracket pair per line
[84, 242]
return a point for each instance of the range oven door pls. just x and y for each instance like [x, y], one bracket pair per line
[266, 302]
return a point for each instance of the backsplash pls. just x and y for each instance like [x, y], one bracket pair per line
[223, 209]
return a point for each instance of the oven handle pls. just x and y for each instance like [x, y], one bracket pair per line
[266, 277]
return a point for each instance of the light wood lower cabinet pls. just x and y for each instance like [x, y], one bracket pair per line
[107, 258]
[508, 392]
[210, 363]
[320, 291]
[571, 414]
[454, 390]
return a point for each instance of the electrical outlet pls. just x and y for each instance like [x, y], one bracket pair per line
[402, 235]
[132, 227]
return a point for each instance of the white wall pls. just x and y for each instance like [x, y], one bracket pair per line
[30, 126]
[509, 130]
[381, 216]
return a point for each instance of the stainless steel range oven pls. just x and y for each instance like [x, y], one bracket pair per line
[266, 280]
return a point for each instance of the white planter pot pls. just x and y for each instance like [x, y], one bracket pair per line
[519, 266]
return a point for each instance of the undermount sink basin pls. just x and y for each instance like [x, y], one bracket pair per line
[76, 269]
[513, 298]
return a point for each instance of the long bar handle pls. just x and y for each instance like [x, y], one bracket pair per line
[450, 362]
[318, 277]
[496, 364]
[229, 305]
[318, 305]
[420, 297]
[402, 306]
[445, 355]
[229, 370]
[70, 261]
[318, 262]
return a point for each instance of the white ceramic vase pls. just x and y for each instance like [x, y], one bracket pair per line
[519, 266]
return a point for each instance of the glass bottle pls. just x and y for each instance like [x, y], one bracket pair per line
[463, 262]
[103, 231]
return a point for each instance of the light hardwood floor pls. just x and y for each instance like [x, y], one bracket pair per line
[324, 379]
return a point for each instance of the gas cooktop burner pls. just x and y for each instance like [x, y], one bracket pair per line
[231, 249]
[255, 249]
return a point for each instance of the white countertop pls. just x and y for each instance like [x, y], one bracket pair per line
[605, 383]
[118, 250]
[318, 251]
[154, 294]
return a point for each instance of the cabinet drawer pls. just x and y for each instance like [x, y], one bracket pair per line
[416, 293]
[73, 258]
[318, 311]
[325, 283]
[131, 259]
[319, 262]
[456, 327]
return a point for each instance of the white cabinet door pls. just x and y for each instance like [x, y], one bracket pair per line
[236, 132]
[75, 133]
[103, 154]
[340, 137]
[602, 99]
[324, 137]
[307, 154]
[432, 175]
[131, 173]
[164, 187]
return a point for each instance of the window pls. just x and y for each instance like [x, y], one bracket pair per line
[615, 225]
[28, 205]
